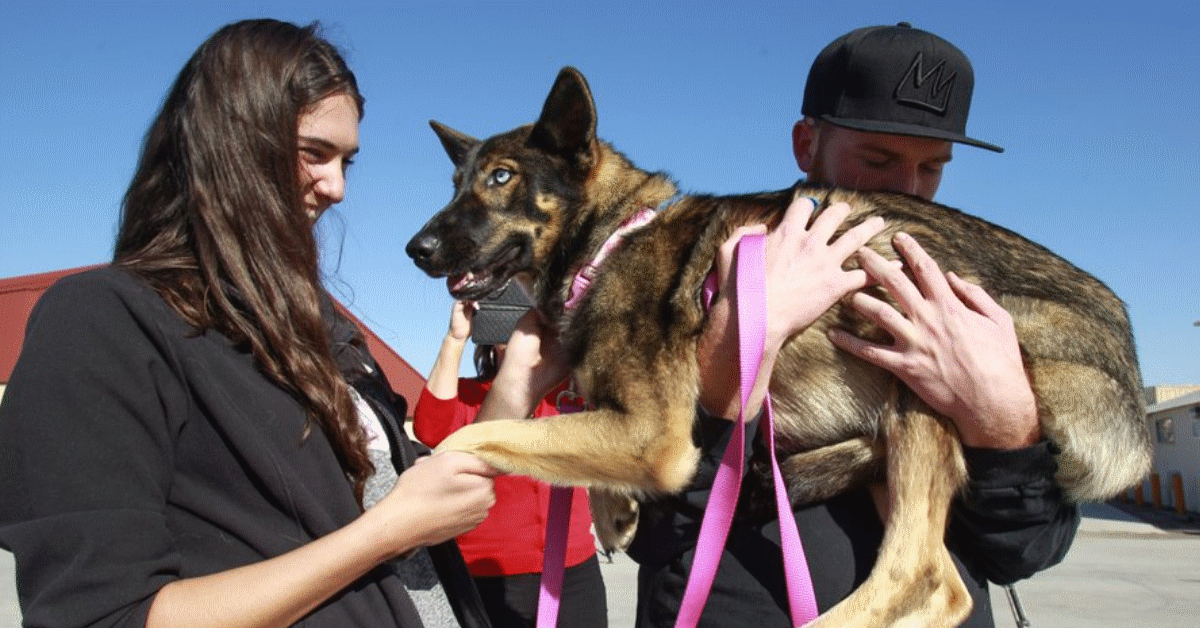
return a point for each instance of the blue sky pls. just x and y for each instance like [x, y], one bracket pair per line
[1096, 104]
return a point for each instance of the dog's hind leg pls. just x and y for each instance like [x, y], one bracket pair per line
[914, 581]
[615, 516]
[819, 474]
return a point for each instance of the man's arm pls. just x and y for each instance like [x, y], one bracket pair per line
[957, 349]
[794, 254]
[1012, 518]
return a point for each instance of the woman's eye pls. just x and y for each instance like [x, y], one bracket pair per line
[499, 176]
[313, 155]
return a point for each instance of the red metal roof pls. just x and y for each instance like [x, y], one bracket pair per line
[19, 294]
[405, 380]
[17, 297]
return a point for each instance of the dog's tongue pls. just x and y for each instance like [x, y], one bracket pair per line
[458, 282]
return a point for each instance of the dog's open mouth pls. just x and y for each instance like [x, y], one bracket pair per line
[480, 282]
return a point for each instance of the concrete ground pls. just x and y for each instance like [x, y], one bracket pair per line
[10, 613]
[1130, 567]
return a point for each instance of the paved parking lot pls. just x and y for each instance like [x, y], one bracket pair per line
[1128, 568]
[1121, 572]
[10, 614]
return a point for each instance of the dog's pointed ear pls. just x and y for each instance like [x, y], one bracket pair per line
[567, 125]
[458, 145]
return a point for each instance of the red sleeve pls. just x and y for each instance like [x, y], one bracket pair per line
[434, 419]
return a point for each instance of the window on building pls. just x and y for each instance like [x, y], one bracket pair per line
[1166, 431]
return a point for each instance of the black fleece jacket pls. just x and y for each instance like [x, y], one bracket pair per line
[137, 453]
[1011, 522]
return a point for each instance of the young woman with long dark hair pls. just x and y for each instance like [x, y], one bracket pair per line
[191, 433]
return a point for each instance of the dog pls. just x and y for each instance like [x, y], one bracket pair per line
[538, 202]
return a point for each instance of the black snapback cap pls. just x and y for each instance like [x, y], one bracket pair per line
[893, 79]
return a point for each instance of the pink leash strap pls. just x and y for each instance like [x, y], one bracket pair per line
[558, 524]
[718, 516]
[554, 556]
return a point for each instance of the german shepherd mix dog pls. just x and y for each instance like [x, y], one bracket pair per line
[541, 200]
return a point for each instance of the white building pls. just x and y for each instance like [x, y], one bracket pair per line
[1175, 428]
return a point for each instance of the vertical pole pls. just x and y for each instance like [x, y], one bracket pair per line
[1177, 490]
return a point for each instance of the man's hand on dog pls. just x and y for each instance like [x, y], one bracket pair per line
[804, 278]
[953, 345]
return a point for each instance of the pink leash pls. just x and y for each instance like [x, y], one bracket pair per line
[714, 529]
[558, 523]
[718, 516]
[554, 558]
[558, 517]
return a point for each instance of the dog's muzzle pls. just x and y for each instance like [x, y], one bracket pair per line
[422, 249]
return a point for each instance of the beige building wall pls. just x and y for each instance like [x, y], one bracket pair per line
[1159, 394]
[1175, 431]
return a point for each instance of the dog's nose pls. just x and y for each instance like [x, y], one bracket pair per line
[423, 246]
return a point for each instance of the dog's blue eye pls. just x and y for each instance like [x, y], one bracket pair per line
[499, 176]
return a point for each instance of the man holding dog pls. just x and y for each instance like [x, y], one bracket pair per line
[882, 109]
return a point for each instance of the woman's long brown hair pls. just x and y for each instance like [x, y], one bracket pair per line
[214, 217]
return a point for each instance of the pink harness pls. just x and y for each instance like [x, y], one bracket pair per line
[583, 278]
[718, 515]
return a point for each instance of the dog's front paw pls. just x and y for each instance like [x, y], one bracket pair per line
[615, 516]
[484, 441]
[459, 440]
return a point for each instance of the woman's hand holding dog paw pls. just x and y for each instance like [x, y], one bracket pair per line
[438, 498]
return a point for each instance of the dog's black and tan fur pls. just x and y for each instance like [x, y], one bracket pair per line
[538, 201]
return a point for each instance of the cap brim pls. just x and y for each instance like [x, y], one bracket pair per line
[914, 130]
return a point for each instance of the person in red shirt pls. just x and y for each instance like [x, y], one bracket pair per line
[504, 554]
